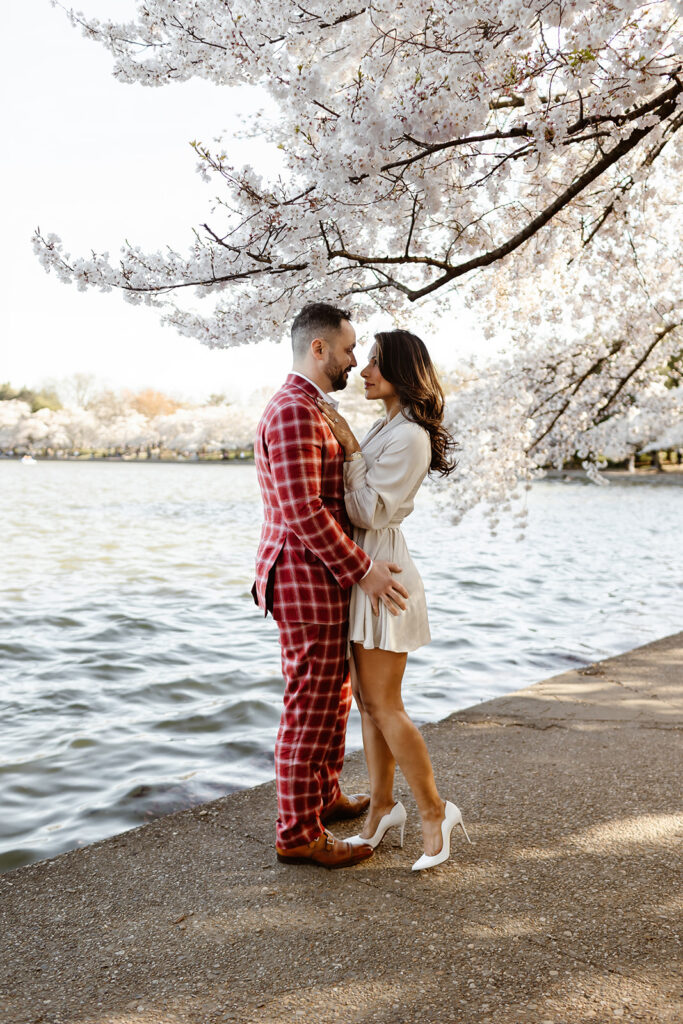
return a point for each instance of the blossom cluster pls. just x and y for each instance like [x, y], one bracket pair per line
[517, 155]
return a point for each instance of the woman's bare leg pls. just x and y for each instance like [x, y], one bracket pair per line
[380, 761]
[379, 676]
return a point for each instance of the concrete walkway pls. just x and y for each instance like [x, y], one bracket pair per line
[562, 911]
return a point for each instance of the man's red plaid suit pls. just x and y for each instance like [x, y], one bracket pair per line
[305, 566]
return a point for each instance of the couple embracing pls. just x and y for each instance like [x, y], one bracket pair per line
[334, 572]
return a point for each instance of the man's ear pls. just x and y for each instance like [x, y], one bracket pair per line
[318, 348]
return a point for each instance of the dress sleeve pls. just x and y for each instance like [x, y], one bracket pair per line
[373, 495]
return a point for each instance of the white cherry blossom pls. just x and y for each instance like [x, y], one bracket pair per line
[522, 157]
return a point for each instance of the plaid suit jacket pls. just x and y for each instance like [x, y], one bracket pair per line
[306, 561]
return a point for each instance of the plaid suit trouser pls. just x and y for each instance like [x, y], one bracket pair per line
[309, 750]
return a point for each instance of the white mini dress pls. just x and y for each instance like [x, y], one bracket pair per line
[379, 492]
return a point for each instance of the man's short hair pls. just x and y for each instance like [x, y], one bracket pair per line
[315, 320]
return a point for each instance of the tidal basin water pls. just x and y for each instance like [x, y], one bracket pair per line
[138, 677]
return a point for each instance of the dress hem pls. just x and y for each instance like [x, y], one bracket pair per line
[378, 647]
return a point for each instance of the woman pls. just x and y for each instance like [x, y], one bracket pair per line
[381, 479]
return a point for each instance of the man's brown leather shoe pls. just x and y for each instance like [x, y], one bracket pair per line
[346, 807]
[326, 852]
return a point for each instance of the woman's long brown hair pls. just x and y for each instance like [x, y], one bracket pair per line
[404, 362]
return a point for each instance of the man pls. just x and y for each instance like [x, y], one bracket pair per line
[305, 567]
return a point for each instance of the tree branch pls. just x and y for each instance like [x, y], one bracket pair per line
[538, 222]
[601, 415]
[427, 149]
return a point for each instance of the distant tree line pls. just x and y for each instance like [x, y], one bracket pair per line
[43, 399]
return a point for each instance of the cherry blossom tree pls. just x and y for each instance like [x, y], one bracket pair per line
[128, 430]
[208, 428]
[518, 155]
[201, 428]
[13, 415]
[592, 335]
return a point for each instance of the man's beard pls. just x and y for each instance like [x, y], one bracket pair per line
[338, 377]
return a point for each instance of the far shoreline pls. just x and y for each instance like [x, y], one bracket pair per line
[233, 460]
[672, 474]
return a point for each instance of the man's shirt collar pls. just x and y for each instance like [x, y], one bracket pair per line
[328, 398]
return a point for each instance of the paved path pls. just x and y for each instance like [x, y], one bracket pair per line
[562, 911]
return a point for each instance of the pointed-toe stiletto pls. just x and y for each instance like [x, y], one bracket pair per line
[396, 816]
[452, 818]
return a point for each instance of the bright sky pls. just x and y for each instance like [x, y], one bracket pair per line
[98, 162]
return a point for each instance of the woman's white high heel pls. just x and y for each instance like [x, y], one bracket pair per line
[396, 816]
[452, 818]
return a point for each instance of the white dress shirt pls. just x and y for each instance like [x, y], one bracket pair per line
[328, 398]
